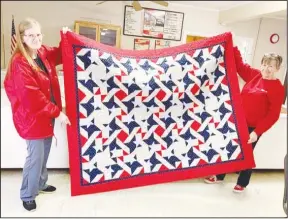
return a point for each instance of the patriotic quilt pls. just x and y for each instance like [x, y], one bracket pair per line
[146, 117]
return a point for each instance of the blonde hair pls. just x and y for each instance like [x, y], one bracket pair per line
[268, 57]
[20, 46]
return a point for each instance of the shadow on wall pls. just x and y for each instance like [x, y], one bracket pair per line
[285, 198]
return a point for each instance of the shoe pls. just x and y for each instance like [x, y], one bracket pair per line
[212, 180]
[29, 205]
[238, 189]
[49, 189]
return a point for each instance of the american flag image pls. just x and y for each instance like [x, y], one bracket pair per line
[13, 36]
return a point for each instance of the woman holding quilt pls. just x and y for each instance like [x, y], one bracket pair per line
[33, 90]
[262, 98]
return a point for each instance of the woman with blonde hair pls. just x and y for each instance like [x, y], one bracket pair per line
[262, 97]
[33, 90]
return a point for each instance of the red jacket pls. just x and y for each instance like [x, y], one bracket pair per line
[262, 99]
[29, 94]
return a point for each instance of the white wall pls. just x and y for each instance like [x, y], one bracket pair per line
[260, 31]
[65, 13]
[53, 15]
[196, 21]
[267, 28]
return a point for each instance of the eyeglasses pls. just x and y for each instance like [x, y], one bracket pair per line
[33, 36]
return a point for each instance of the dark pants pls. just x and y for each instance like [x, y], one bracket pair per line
[244, 175]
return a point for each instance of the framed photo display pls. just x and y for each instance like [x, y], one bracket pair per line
[153, 23]
[141, 44]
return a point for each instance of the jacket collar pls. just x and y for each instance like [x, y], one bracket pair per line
[43, 57]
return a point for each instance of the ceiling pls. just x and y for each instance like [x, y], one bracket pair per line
[278, 15]
[224, 5]
[205, 5]
[212, 5]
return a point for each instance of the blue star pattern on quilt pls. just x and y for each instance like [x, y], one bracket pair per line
[141, 116]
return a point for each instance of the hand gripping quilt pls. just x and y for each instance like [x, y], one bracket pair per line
[147, 117]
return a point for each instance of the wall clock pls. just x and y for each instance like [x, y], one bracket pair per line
[274, 38]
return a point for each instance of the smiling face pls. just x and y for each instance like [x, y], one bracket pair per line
[32, 37]
[270, 65]
[268, 69]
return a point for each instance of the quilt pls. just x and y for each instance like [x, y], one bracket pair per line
[140, 118]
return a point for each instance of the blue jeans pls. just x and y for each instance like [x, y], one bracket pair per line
[244, 175]
[35, 173]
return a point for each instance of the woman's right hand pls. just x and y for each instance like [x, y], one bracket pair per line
[65, 30]
[63, 119]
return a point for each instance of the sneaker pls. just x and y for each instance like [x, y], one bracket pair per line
[49, 189]
[238, 189]
[212, 180]
[29, 205]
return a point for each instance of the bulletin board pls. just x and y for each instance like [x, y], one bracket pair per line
[153, 23]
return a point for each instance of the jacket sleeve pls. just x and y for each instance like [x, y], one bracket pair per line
[275, 103]
[29, 93]
[54, 54]
[245, 71]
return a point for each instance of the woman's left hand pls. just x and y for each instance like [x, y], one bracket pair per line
[65, 30]
[253, 138]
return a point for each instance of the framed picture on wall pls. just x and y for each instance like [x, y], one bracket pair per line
[161, 44]
[193, 38]
[107, 34]
[189, 37]
[153, 23]
[141, 44]
[87, 29]
[2, 52]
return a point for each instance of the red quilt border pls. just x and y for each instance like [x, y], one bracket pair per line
[70, 39]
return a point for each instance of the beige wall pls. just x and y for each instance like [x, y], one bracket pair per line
[53, 15]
